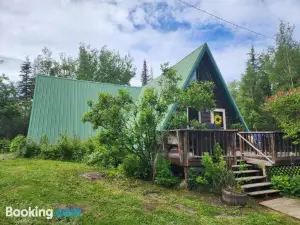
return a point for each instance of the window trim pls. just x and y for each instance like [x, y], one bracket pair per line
[212, 118]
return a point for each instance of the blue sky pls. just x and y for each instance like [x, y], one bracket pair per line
[158, 31]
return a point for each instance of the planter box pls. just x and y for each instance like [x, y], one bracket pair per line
[233, 198]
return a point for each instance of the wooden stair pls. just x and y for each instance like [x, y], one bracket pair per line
[253, 182]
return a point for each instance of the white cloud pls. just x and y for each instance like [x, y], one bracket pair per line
[27, 26]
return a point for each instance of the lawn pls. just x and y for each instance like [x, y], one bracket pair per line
[53, 184]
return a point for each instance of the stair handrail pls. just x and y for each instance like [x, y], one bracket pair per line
[256, 149]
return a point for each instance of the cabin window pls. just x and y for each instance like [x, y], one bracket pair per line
[193, 114]
[218, 117]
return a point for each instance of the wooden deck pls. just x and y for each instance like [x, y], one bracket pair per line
[272, 148]
[186, 147]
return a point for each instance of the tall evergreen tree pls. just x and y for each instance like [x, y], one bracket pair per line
[251, 91]
[285, 71]
[26, 85]
[145, 76]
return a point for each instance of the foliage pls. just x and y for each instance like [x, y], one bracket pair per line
[24, 148]
[102, 65]
[26, 85]
[164, 175]
[4, 145]
[10, 110]
[110, 115]
[216, 175]
[237, 126]
[284, 106]
[192, 179]
[179, 118]
[131, 128]
[289, 186]
[17, 144]
[145, 76]
[133, 166]
[128, 127]
[276, 69]
[199, 96]
[44, 64]
[66, 149]
[285, 60]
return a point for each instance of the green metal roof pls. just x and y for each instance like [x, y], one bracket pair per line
[186, 68]
[59, 105]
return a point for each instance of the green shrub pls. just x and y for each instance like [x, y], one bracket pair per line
[48, 151]
[192, 179]
[66, 149]
[164, 175]
[97, 157]
[17, 144]
[216, 175]
[133, 166]
[288, 186]
[90, 145]
[4, 145]
[30, 149]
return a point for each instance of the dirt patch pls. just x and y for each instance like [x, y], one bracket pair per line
[93, 175]
[227, 217]
[188, 210]
[152, 193]
[149, 206]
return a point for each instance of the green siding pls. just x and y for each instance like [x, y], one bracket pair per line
[59, 105]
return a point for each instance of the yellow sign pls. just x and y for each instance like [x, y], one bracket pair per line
[218, 119]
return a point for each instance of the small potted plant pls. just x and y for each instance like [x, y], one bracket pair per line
[233, 193]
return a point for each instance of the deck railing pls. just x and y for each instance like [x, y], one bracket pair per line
[196, 142]
[269, 146]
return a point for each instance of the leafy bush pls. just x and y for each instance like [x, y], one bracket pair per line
[289, 186]
[284, 106]
[133, 166]
[4, 145]
[17, 144]
[98, 157]
[30, 149]
[192, 179]
[216, 174]
[66, 149]
[164, 175]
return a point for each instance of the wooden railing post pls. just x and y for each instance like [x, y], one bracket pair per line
[273, 150]
[185, 148]
[241, 147]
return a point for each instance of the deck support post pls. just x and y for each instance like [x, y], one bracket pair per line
[185, 157]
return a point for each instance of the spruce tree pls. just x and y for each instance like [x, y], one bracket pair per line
[145, 77]
[26, 85]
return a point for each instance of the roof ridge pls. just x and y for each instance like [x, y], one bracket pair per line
[200, 47]
[88, 81]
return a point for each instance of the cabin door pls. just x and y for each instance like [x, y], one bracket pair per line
[218, 117]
